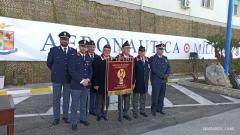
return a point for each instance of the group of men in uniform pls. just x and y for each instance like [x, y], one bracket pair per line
[82, 75]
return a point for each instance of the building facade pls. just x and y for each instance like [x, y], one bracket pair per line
[205, 11]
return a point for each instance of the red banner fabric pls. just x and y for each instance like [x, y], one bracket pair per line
[119, 77]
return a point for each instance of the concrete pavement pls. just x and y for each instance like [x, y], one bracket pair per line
[227, 123]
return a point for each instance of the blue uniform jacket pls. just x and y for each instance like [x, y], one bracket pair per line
[100, 65]
[141, 75]
[57, 62]
[160, 68]
[80, 69]
[94, 71]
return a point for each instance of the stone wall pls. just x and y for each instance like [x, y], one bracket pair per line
[92, 14]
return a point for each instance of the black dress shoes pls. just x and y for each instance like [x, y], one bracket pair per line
[55, 122]
[66, 120]
[153, 113]
[85, 123]
[127, 117]
[144, 114]
[74, 127]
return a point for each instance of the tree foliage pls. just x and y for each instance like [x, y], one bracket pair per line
[218, 42]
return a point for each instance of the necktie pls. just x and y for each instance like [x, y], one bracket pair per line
[143, 61]
[65, 50]
[84, 57]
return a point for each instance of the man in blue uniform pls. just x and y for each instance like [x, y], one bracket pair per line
[124, 100]
[99, 65]
[57, 62]
[92, 103]
[80, 69]
[141, 77]
[160, 70]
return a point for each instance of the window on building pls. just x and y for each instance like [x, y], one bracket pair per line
[235, 11]
[235, 7]
[208, 3]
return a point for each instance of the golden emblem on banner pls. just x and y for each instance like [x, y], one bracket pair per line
[121, 75]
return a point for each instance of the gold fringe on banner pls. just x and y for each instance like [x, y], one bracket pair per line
[120, 92]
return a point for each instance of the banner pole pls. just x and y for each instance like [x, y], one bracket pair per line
[105, 96]
[106, 71]
[121, 102]
[121, 109]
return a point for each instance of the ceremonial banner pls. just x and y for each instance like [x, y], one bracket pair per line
[119, 77]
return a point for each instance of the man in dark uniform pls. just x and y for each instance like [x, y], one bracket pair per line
[124, 100]
[141, 77]
[160, 70]
[80, 68]
[57, 62]
[100, 82]
[92, 103]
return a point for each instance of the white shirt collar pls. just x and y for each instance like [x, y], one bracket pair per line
[91, 54]
[82, 54]
[159, 56]
[64, 47]
[106, 57]
[125, 56]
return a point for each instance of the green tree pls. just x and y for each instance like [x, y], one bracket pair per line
[218, 42]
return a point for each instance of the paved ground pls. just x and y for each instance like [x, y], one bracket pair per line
[182, 104]
[226, 123]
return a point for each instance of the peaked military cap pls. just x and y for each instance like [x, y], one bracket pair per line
[82, 42]
[126, 44]
[107, 46]
[161, 45]
[91, 43]
[64, 34]
[141, 48]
